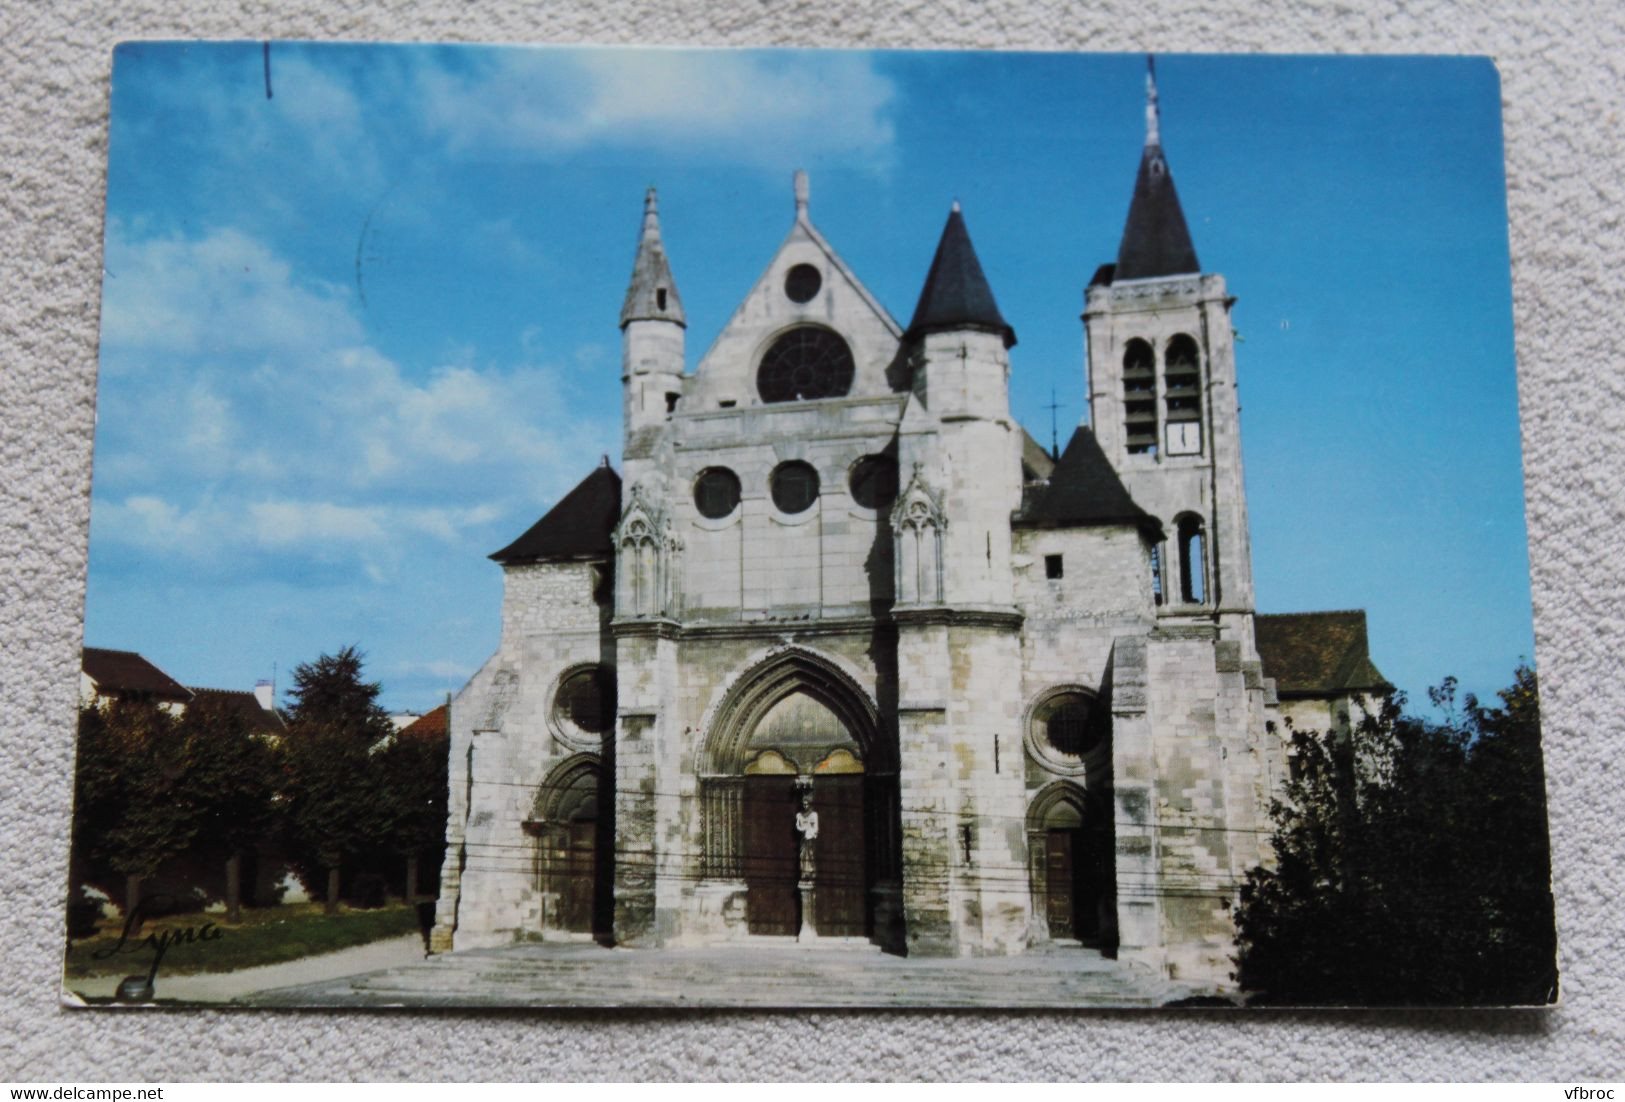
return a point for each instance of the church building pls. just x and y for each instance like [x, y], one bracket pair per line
[841, 656]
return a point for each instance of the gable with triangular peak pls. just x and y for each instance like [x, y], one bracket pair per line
[727, 372]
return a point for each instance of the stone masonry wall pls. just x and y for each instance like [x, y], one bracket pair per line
[1192, 812]
[505, 741]
[930, 873]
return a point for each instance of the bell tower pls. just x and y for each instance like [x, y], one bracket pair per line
[1161, 377]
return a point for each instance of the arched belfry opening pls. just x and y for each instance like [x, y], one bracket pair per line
[794, 734]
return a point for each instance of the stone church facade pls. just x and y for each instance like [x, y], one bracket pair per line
[1022, 693]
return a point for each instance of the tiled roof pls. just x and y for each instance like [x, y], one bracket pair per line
[956, 294]
[1317, 653]
[1083, 491]
[125, 671]
[245, 704]
[430, 725]
[578, 527]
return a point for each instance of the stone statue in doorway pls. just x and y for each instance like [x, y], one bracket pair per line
[807, 828]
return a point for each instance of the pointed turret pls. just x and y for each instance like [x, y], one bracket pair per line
[956, 294]
[652, 329]
[1156, 241]
[652, 296]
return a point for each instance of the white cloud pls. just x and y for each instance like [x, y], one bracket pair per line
[751, 106]
[278, 525]
[243, 412]
[222, 294]
[325, 124]
[442, 669]
[373, 536]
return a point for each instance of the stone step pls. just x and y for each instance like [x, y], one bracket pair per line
[755, 975]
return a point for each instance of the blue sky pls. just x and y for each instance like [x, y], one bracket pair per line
[359, 334]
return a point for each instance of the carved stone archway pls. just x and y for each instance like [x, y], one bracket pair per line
[569, 821]
[755, 691]
[797, 717]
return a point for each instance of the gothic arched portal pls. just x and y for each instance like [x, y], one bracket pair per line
[797, 723]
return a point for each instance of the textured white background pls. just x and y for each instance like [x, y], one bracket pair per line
[1561, 67]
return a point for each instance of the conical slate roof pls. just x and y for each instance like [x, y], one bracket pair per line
[578, 527]
[1156, 241]
[1084, 491]
[652, 294]
[956, 294]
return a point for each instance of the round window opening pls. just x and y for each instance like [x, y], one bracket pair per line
[1065, 724]
[802, 282]
[716, 493]
[805, 363]
[585, 703]
[794, 486]
[874, 482]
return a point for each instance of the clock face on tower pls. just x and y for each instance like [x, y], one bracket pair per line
[1185, 438]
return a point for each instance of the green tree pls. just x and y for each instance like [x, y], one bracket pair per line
[333, 803]
[1411, 863]
[136, 803]
[329, 694]
[1509, 817]
[233, 779]
[413, 780]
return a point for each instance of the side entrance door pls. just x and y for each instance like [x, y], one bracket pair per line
[1061, 868]
[579, 867]
[1074, 878]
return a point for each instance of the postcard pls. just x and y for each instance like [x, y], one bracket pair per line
[765, 528]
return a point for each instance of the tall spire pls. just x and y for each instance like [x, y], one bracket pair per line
[652, 295]
[1152, 116]
[956, 294]
[1156, 241]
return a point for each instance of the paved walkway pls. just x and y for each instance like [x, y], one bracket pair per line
[751, 975]
[223, 987]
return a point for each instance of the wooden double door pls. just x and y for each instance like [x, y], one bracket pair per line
[771, 856]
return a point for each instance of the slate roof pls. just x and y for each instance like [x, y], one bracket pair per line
[651, 275]
[1155, 241]
[1036, 461]
[431, 725]
[117, 672]
[1317, 653]
[1084, 491]
[244, 704]
[578, 527]
[956, 294]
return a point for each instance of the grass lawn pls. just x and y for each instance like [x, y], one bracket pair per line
[266, 935]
